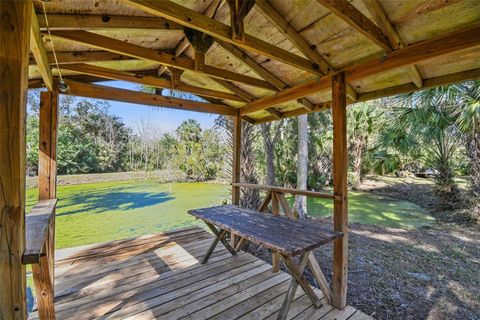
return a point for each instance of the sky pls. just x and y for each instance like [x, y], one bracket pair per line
[163, 119]
[166, 120]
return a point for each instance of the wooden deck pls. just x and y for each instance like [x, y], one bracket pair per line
[160, 277]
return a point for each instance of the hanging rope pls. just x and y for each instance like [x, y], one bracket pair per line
[63, 87]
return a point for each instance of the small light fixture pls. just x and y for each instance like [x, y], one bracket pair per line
[63, 86]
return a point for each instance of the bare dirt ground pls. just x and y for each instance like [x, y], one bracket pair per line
[426, 273]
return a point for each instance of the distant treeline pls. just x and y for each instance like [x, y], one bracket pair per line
[92, 140]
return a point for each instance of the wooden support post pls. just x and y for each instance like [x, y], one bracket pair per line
[14, 56]
[47, 156]
[276, 212]
[43, 272]
[237, 141]
[340, 209]
[237, 145]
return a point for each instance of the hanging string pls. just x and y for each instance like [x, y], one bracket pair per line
[63, 86]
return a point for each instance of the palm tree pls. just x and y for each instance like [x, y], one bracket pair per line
[430, 118]
[363, 121]
[468, 122]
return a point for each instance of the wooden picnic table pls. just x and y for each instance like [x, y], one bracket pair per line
[287, 237]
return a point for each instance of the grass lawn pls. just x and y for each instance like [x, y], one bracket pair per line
[91, 213]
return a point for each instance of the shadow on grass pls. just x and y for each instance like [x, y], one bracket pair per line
[115, 199]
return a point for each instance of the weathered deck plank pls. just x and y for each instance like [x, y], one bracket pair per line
[161, 277]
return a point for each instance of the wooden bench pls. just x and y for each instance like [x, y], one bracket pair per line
[288, 237]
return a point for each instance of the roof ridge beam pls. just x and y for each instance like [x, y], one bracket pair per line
[139, 52]
[195, 20]
[351, 15]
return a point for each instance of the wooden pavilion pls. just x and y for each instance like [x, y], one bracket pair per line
[252, 60]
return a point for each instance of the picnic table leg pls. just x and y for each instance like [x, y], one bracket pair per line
[212, 246]
[296, 271]
[220, 236]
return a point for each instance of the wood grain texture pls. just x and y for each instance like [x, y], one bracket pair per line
[351, 15]
[198, 21]
[236, 155]
[315, 194]
[128, 49]
[340, 184]
[424, 50]
[147, 80]
[47, 153]
[14, 49]
[39, 53]
[123, 95]
[278, 233]
[104, 21]
[160, 276]
[37, 222]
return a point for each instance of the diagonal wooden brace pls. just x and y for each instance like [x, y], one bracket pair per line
[219, 237]
[296, 270]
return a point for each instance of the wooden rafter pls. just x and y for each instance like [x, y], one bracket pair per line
[82, 56]
[109, 93]
[136, 51]
[153, 81]
[272, 15]
[351, 15]
[427, 83]
[261, 71]
[216, 29]
[288, 31]
[382, 20]
[39, 53]
[421, 51]
[391, 91]
[90, 21]
[184, 43]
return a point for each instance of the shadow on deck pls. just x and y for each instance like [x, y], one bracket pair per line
[160, 277]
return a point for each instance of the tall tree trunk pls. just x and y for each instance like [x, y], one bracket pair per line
[302, 165]
[250, 198]
[268, 147]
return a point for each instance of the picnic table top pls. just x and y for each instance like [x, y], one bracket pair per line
[279, 233]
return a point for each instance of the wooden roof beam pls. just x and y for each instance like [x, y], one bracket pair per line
[421, 51]
[94, 91]
[147, 80]
[195, 20]
[272, 15]
[260, 70]
[200, 42]
[351, 15]
[239, 9]
[104, 21]
[403, 88]
[139, 52]
[382, 20]
[39, 53]
[83, 56]
[184, 43]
